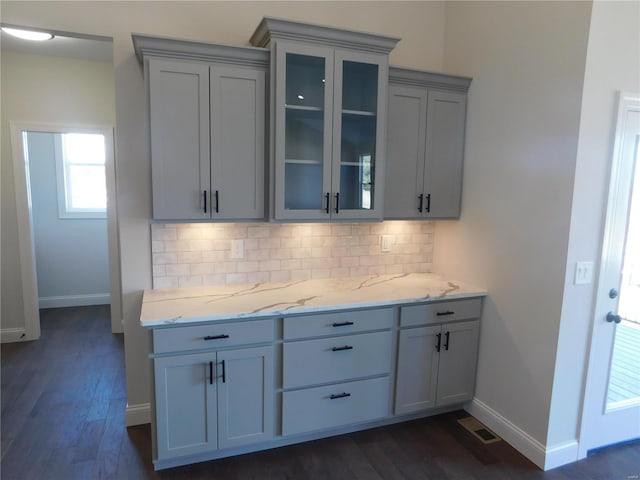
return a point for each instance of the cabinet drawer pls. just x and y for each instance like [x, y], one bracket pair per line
[212, 336]
[440, 312]
[335, 359]
[337, 323]
[334, 405]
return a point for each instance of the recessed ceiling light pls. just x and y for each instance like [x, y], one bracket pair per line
[28, 34]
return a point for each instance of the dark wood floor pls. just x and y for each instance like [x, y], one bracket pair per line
[63, 401]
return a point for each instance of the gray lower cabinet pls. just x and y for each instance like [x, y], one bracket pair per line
[207, 129]
[215, 400]
[436, 366]
[425, 141]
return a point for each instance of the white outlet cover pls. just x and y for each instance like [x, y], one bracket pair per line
[385, 243]
[237, 249]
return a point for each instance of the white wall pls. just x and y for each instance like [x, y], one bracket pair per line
[420, 24]
[527, 61]
[38, 89]
[613, 65]
[72, 255]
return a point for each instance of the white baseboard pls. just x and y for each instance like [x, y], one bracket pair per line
[10, 335]
[561, 454]
[544, 457]
[74, 300]
[138, 414]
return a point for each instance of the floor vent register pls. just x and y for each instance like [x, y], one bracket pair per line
[478, 430]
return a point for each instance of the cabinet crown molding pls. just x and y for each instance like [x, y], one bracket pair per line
[422, 78]
[147, 45]
[271, 28]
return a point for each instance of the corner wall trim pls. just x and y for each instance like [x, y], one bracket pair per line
[138, 414]
[10, 335]
[75, 300]
[545, 457]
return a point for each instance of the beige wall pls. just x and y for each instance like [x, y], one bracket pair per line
[38, 89]
[420, 24]
[527, 60]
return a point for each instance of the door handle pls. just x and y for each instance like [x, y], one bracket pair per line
[613, 317]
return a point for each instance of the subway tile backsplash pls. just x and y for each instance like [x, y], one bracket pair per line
[196, 254]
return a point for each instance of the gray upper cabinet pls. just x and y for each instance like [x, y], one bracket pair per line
[207, 129]
[427, 113]
[329, 91]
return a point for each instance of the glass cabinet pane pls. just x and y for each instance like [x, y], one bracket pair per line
[360, 86]
[358, 135]
[304, 131]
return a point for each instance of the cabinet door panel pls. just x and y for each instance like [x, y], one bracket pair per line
[445, 153]
[457, 370]
[359, 133]
[303, 96]
[245, 397]
[186, 421]
[417, 369]
[179, 119]
[406, 151]
[237, 142]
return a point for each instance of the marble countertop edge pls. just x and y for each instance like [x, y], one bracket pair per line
[184, 306]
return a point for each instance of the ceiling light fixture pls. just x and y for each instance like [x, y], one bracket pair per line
[28, 34]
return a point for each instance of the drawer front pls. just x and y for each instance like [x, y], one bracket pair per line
[440, 312]
[212, 336]
[337, 323]
[335, 359]
[335, 405]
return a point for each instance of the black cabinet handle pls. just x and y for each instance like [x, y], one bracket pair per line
[428, 203]
[442, 314]
[339, 349]
[420, 200]
[439, 337]
[326, 198]
[224, 373]
[205, 201]
[210, 373]
[446, 341]
[339, 395]
[338, 202]
[342, 324]
[217, 202]
[216, 337]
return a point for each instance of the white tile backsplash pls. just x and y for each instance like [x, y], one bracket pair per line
[200, 254]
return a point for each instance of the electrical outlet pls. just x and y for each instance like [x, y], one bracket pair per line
[584, 273]
[385, 243]
[237, 249]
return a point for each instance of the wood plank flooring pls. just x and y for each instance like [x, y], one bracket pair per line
[63, 401]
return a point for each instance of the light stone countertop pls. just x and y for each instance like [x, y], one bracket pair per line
[163, 307]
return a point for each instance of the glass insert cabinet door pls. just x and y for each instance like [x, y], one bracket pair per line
[327, 131]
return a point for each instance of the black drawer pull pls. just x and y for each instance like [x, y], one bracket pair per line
[420, 201]
[448, 312]
[216, 337]
[439, 337]
[326, 197]
[210, 373]
[340, 395]
[224, 373]
[338, 349]
[446, 340]
[342, 324]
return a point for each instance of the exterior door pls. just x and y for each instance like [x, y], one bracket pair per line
[612, 399]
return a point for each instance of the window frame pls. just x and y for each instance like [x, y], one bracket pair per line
[64, 187]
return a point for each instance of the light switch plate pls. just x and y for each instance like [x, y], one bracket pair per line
[385, 243]
[237, 249]
[584, 273]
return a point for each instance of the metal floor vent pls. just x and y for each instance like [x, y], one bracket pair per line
[478, 430]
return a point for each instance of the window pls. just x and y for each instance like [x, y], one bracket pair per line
[80, 168]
